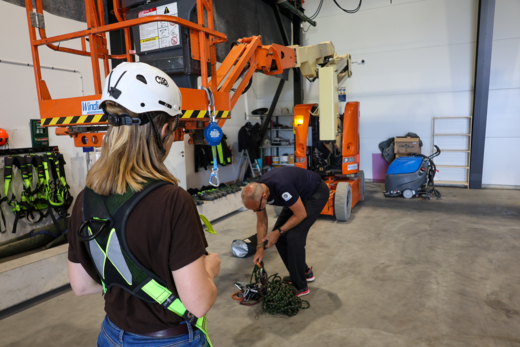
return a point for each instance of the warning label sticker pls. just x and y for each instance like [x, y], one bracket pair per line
[159, 34]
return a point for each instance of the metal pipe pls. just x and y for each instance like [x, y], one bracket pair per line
[48, 68]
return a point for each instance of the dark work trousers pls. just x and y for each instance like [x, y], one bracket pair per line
[291, 246]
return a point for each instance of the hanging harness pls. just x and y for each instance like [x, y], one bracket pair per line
[104, 232]
[57, 189]
[27, 206]
[37, 200]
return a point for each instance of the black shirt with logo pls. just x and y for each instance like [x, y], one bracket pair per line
[287, 184]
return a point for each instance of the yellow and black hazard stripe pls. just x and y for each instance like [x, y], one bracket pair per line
[95, 118]
[203, 114]
[101, 118]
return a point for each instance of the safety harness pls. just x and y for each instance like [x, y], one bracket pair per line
[104, 232]
[27, 206]
[36, 201]
[57, 189]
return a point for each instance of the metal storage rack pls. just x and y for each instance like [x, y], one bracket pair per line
[467, 151]
[276, 133]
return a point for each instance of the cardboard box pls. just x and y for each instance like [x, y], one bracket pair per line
[291, 159]
[399, 155]
[406, 145]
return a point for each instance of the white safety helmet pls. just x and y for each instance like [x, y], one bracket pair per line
[141, 88]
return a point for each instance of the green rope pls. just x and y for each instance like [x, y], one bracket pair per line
[277, 296]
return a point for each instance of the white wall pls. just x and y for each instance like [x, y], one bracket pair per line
[18, 92]
[419, 63]
[503, 121]
[420, 57]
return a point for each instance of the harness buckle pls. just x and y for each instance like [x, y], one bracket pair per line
[190, 317]
[168, 301]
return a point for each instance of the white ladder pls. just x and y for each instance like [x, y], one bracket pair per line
[467, 151]
[244, 161]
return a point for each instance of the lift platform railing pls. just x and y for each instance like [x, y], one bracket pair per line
[246, 57]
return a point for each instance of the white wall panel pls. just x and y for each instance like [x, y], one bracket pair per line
[503, 113]
[505, 63]
[503, 120]
[420, 61]
[403, 25]
[18, 91]
[501, 161]
[506, 23]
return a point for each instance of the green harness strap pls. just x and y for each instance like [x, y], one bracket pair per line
[39, 196]
[165, 298]
[221, 155]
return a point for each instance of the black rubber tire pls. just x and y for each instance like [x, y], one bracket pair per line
[361, 175]
[343, 201]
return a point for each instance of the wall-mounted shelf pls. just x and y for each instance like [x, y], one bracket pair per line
[292, 146]
[274, 115]
[27, 150]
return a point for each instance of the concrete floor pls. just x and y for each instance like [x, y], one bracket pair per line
[398, 273]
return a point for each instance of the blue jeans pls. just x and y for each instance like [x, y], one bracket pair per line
[112, 336]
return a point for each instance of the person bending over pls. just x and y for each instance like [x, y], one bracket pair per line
[303, 195]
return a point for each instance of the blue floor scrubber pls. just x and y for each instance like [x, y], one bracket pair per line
[412, 176]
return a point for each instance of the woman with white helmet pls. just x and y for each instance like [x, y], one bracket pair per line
[136, 229]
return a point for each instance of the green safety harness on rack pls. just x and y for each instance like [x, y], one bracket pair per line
[58, 193]
[104, 232]
[27, 206]
[36, 202]
[277, 296]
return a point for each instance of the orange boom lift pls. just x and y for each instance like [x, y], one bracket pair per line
[80, 117]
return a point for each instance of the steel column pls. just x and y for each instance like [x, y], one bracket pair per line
[486, 17]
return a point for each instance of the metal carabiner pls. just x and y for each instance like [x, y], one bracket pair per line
[211, 103]
[214, 171]
[214, 175]
[211, 112]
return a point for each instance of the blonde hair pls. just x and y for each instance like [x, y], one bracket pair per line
[129, 156]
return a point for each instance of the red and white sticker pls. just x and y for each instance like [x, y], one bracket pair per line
[159, 34]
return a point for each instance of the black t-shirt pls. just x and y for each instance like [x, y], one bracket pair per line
[164, 233]
[287, 184]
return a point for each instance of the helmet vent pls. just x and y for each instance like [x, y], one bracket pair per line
[141, 78]
[142, 104]
[165, 104]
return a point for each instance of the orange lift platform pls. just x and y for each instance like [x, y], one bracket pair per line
[68, 114]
